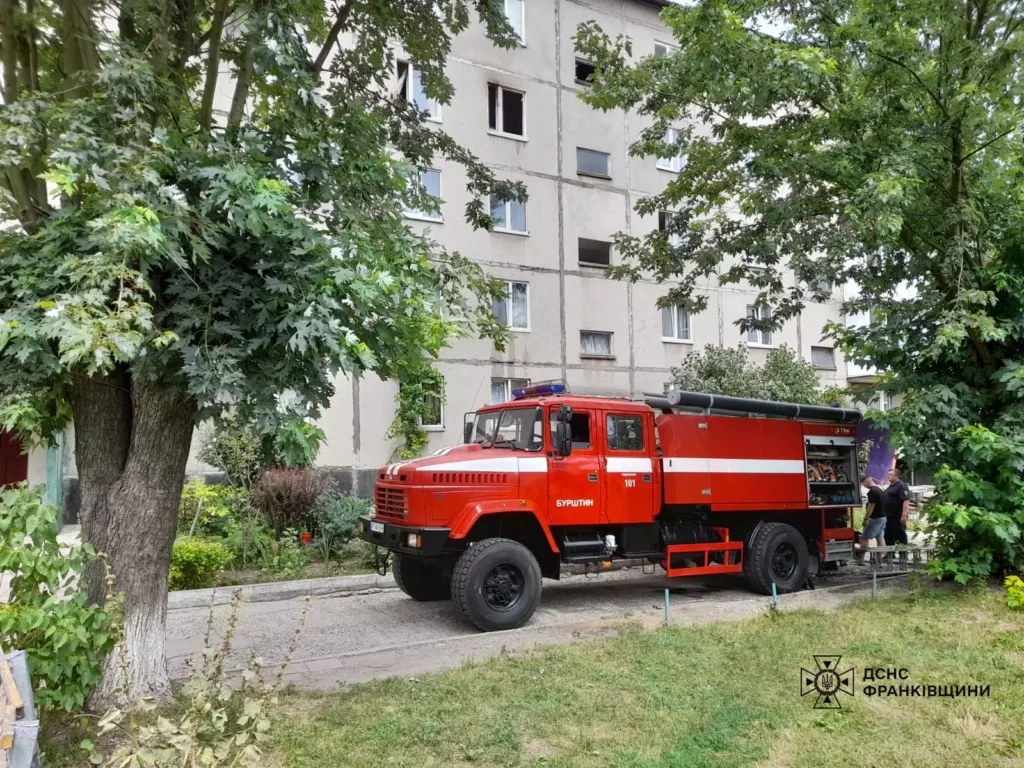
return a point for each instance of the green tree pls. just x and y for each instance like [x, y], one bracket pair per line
[876, 143]
[177, 262]
[730, 371]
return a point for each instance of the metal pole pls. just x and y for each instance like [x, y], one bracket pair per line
[666, 606]
[874, 583]
[775, 595]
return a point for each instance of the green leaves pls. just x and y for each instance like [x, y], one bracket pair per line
[66, 638]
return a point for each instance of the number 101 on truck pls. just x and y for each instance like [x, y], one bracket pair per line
[698, 484]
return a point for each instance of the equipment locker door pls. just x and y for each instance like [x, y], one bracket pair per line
[684, 451]
[574, 481]
[628, 476]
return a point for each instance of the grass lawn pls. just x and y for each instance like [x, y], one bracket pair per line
[713, 695]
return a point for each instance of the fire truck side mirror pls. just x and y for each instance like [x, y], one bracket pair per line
[563, 431]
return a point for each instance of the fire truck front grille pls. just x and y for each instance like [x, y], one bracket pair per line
[391, 502]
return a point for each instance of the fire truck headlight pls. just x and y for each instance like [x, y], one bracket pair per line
[359, 526]
[413, 540]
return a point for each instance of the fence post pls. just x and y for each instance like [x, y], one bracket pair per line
[666, 606]
[775, 595]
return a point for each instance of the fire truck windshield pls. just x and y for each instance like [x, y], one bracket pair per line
[517, 428]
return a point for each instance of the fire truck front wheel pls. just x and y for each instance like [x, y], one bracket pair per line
[419, 579]
[776, 553]
[496, 584]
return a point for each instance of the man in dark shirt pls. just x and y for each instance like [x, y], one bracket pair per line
[897, 505]
[874, 516]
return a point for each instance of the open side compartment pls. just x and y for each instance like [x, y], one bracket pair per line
[832, 478]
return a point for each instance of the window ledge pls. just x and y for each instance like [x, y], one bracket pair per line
[668, 170]
[416, 217]
[825, 368]
[503, 231]
[593, 175]
[517, 330]
[582, 82]
[434, 428]
[586, 356]
[591, 265]
[437, 120]
[503, 135]
[753, 345]
[668, 340]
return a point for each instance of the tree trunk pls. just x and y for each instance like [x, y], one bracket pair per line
[132, 515]
[102, 410]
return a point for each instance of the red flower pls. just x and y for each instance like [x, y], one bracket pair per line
[305, 538]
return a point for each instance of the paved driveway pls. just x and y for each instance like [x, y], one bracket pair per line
[351, 637]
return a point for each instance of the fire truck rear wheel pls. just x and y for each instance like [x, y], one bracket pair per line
[420, 579]
[776, 553]
[496, 584]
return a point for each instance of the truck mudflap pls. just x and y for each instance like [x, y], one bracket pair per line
[403, 538]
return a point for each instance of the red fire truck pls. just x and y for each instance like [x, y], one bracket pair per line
[699, 484]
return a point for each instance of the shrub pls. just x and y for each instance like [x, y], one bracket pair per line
[335, 519]
[246, 539]
[195, 561]
[978, 510]
[234, 449]
[288, 497]
[284, 556]
[297, 443]
[66, 638]
[215, 505]
[1014, 593]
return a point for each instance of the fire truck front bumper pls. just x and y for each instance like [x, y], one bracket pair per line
[413, 539]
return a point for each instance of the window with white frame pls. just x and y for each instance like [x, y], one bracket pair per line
[594, 253]
[823, 357]
[515, 12]
[506, 110]
[754, 336]
[509, 215]
[595, 344]
[410, 87]
[432, 418]
[664, 49]
[514, 310]
[674, 163]
[675, 324]
[501, 389]
[430, 181]
[665, 222]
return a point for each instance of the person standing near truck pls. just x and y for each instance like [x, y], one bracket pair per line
[874, 516]
[897, 506]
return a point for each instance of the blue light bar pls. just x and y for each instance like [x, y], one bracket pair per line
[540, 389]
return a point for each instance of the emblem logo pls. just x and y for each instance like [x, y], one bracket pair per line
[828, 682]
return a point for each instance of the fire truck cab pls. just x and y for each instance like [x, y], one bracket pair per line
[695, 483]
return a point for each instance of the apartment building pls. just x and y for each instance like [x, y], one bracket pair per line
[519, 111]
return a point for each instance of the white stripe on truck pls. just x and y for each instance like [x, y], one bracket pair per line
[681, 465]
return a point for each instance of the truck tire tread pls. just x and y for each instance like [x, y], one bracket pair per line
[416, 578]
[462, 591]
[755, 568]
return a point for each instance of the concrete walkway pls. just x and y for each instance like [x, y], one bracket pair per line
[363, 633]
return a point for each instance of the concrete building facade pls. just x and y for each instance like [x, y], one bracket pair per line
[519, 111]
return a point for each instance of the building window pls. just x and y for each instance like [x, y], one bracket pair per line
[515, 13]
[595, 253]
[514, 311]
[509, 216]
[584, 71]
[506, 110]
[430, 181]
[501, 389]
[664, 49]
[410, 87]
[432, 419]
[675, 163]
[754, 336]
[595, 344]
[675, 324]
[665, 221]
[592, 163]
[823, 357]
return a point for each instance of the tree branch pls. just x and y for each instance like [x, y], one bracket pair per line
[241, 89]
[990, 142]
[916, 76]
[9, 41]
[332, 37]
[212, 64]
